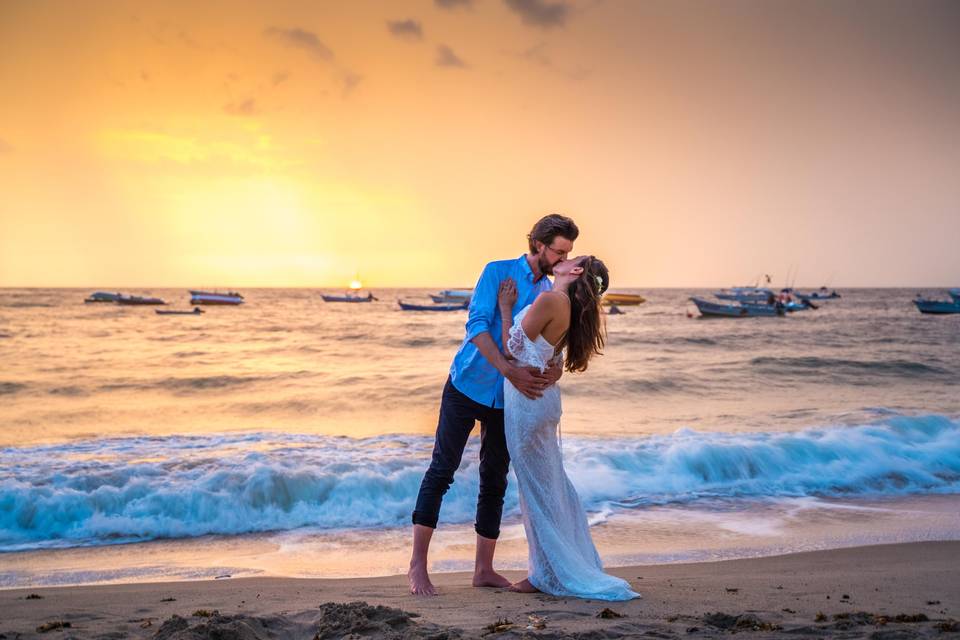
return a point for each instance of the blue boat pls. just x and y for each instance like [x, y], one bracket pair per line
[710, 309]
[406, 306]
[821, 294]
[939, 307]
[745, 294]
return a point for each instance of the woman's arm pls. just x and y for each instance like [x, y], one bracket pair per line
[506, 298]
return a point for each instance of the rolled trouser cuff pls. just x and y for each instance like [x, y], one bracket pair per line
[425, 520]
[493, 534]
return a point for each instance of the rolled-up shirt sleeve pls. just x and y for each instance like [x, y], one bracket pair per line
[483, 303]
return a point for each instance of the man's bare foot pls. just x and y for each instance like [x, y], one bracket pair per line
[489, 579]
[524, 586]
[420, 584]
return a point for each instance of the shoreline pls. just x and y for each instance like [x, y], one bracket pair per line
[858, 591]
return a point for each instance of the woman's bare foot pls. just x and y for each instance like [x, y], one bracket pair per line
[420, 584]
[524, 586]
[490, 579]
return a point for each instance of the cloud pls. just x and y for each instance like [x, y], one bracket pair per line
[301, 39]
[453, 4]
[405, 29]
[350, 81]
[540, 13]
[279, 78]
[247, 107]
[5, 146]
[447, 58]
[538, 56]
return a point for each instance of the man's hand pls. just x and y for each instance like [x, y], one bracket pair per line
[554, 371]
[528, 380]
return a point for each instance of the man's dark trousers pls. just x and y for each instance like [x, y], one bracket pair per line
[458, 414]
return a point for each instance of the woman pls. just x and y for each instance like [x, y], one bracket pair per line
[563, 560]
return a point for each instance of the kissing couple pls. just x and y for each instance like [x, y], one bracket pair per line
[522, 332]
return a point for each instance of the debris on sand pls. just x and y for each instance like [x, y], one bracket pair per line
[37, 596]
[502, 624]
[56, 625]
[742, 622]
[609, 613]
[330, 621]
[359, 619]
[947, 626]
[536, 622]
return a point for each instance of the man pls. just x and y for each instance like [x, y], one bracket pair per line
[474, 392]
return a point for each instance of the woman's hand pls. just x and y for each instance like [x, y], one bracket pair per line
[507, 296]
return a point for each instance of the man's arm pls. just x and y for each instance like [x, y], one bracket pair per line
[527, 380]
[483, 306]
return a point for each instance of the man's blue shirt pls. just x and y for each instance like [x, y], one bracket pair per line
[470, 372]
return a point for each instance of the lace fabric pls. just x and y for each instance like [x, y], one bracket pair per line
[563, 559]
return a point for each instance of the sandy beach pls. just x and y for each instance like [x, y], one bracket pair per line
[884, 591]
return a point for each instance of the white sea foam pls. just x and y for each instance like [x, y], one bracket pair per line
[107, 491]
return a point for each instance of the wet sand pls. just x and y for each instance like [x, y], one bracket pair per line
[883, 592]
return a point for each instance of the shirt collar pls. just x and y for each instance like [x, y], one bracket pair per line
[527, 270]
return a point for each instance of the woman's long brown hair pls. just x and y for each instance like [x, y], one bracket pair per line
[587, 333]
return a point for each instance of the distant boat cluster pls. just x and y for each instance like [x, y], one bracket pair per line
[735, 302]
[196, 298]
[759, 302]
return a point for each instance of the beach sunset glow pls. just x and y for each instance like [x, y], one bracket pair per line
[292, 144]
[474, 319]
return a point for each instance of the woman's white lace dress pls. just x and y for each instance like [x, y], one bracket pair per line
[563, 560]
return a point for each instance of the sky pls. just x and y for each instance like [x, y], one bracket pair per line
[303, 143]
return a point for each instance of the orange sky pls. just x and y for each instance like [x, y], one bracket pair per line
[282, 143]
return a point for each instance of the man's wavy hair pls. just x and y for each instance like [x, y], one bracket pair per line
[549, 227]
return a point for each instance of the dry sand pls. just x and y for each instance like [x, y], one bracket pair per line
[843, 593]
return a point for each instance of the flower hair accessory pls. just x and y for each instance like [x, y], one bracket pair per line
[599, 285]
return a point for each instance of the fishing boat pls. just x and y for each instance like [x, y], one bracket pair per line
[103, 296]
[350, 297]
[452, 296]
[178, 312]
[742, 310]
[406, 306]
[623, 299]
[214, 297]
[821, 294]
[745, 294]
[141, 300]
[939, 307]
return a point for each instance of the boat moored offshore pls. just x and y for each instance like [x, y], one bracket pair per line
[623, 299]
[215, 297]
[452, 296]
[103, 296]
[139, 300]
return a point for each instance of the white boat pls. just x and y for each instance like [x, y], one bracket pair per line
[452, 296]
[711, 309]
[215, 297]
[348, 297]
[103, 296]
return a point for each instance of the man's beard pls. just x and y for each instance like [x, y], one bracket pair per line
[545, 267]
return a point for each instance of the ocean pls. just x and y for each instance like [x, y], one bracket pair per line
[288, 436]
